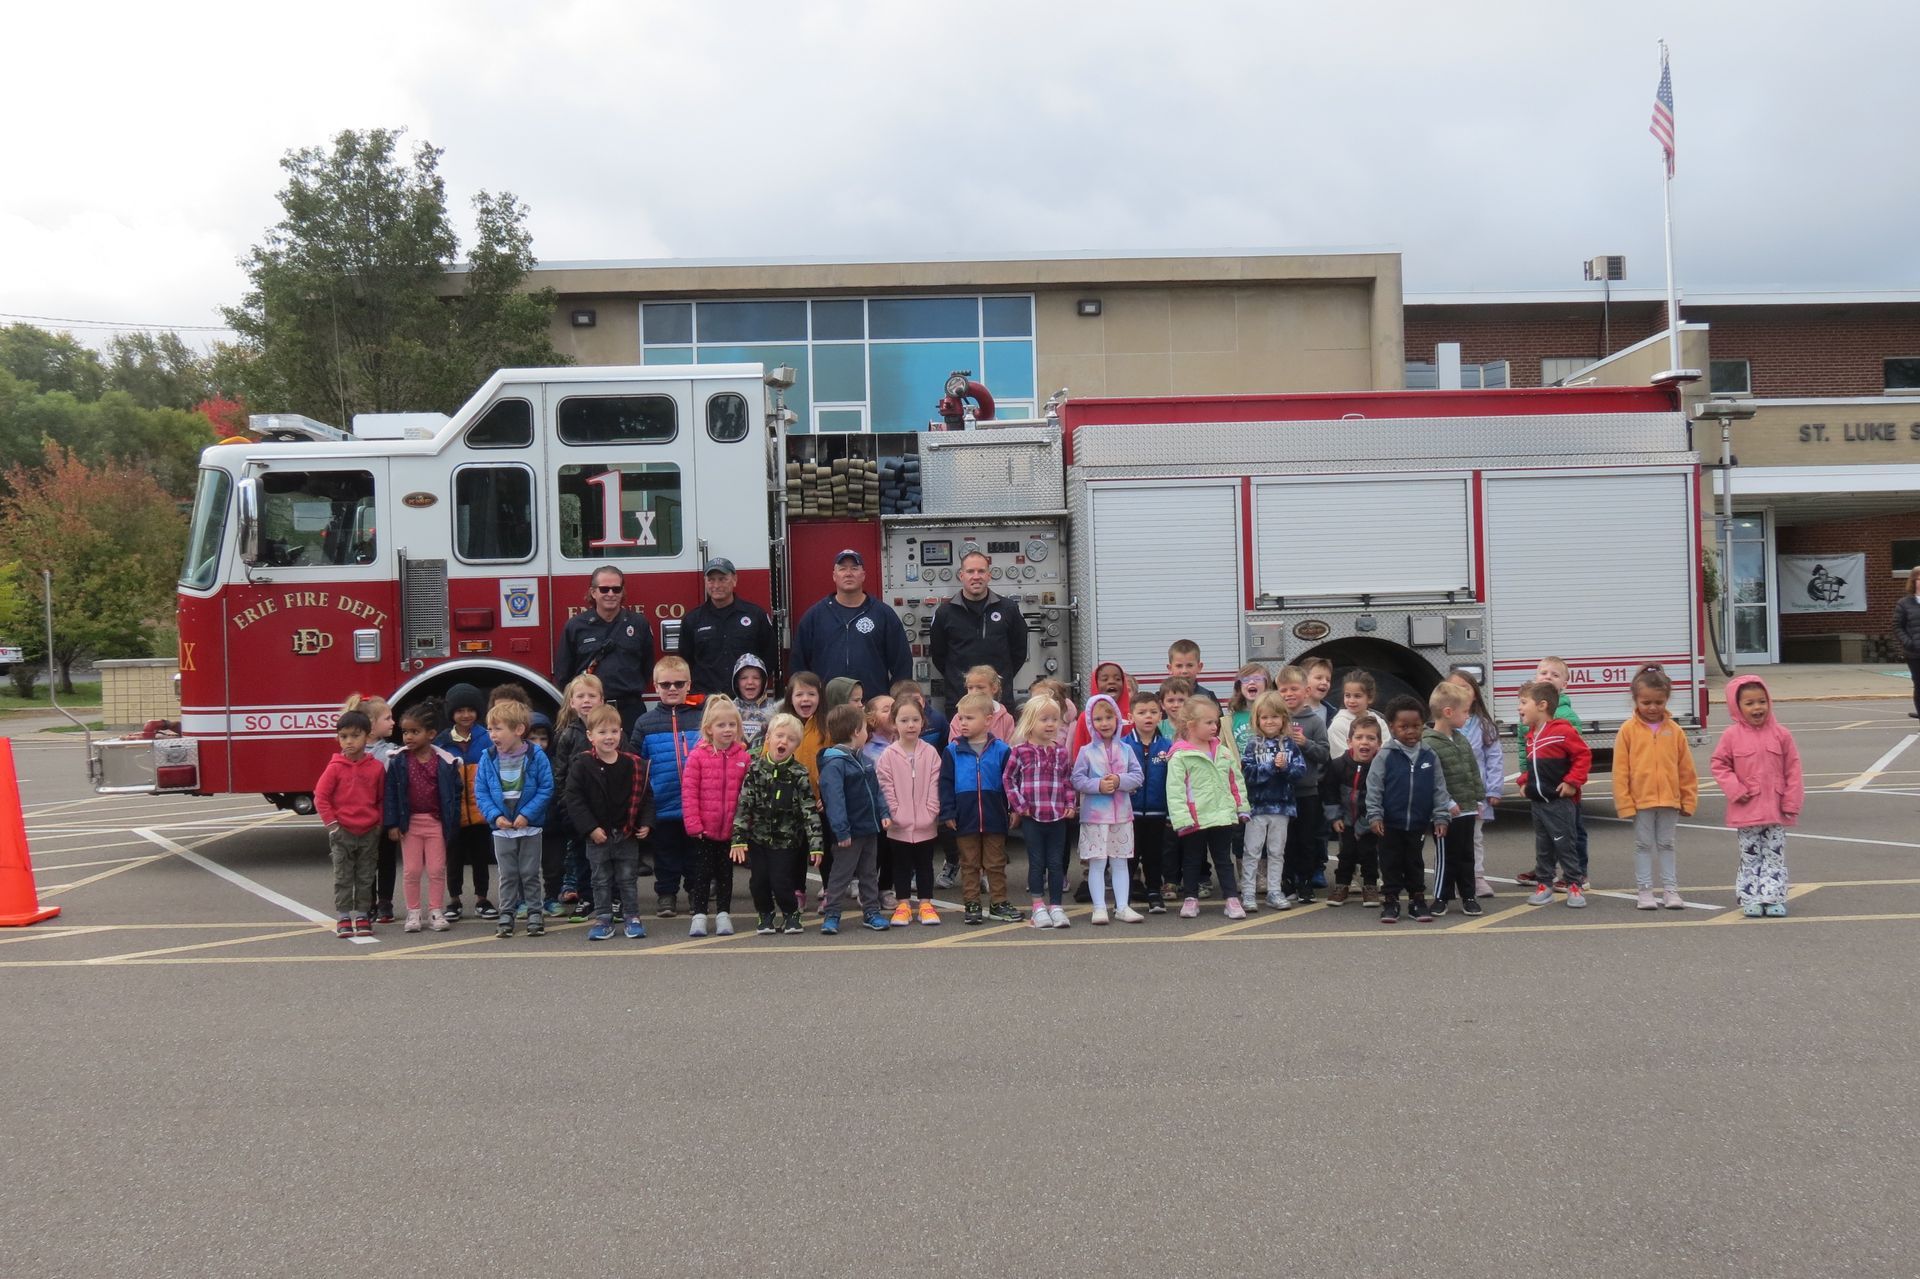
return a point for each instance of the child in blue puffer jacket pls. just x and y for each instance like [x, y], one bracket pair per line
[1273, 768]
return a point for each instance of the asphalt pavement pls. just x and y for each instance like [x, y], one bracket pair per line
[201, 1081]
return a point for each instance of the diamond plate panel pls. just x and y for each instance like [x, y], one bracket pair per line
[1010, 471]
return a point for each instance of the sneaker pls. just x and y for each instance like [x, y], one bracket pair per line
[1472, 906]
[1643, 900]
[723, 925]
[485, 909]
[973, 915]
[1338, 894]
[947, 876]
[697, 926]
[1156, 905]
[1100, 916]
[1439, 907]
[1775, 910]
[1305, 896]
[553, 907]
[344, 928]
[1526, 877]
[876, 920]
[505, 927]
[1083, 894]
[580, 911]
[1250, 902]
[1060, 919]
[536, 926]
[1753, 910]
[1576, 898]
[568, 896]
[1005, 912]
[520, 910]
[1481, 888]
[437, 921]
[663, 905]
[452, 912]
[1671, 900]
[413, 921]
[763, 924]
[1206, 890]
[383, 913]
[1128, 915]
[1542, 894]
[602, 930]
[635, 928]
[1369, 895]
[928, 915]
[1420, 910]
[1190, 908]
[889, 900]
[1041, 919]
[902, 914]
[1235, 910]
[793, 924]
[830, 926]
[1390, 912]
[1319, 879]
[362, 926]
[1279, 901]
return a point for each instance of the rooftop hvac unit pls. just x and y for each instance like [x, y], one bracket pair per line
[1608, 266]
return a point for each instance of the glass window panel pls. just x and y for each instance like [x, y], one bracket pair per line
[1729, 377]
[839, 320]
[1750, 629]
[618, 419]
[1008, 317]
[493, 513]
[1749, 573]
[1906, 550]
[840, 374]
[798, 397]
[908, 379]
[727, 420]
[1421, 376]
[753, 322]
[507, 425]
[1009, 370]
[667, 355]
[665, 322]
[310, 519]
[209, 528]
[1903, 374]
[1558, 368]
[924, 317]
[1749, 527]
[852, 421]
[646, 497]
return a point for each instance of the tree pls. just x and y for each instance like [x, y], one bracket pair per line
[160, 371]
[51, 361]
[113, 540]
[352, 307]
[17, 627]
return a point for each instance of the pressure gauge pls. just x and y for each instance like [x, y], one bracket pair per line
[995, 574]
[946, 575]
[1036, 549]
[1029, 572]
[906, 619]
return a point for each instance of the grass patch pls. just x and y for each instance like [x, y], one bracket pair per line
[95, 725]
[85, 693]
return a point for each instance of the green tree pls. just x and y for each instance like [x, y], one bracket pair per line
[113, 540]
[166, 443]
[354, 305]
[17, 626]
[159, 370]
[51, 361]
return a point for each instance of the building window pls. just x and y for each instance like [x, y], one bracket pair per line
[1555, 369]
[1730, 377]
[1902, 373]
[1906, 555]
[1491, 376]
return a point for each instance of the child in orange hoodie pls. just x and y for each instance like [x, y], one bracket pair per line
[1655, 784]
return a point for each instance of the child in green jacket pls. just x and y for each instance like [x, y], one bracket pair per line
[1206, 803]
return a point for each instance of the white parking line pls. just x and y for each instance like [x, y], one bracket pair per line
[238, 880]
[1879, 766]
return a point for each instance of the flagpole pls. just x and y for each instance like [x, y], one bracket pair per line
[1673, 296]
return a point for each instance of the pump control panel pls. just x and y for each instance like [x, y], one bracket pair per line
[922, 571]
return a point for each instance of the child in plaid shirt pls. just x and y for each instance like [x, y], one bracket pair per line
[1040, 789]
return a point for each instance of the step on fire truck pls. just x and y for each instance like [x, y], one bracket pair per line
[1400, 532]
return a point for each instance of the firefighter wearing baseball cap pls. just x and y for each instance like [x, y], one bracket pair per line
[722, 630]
[853, 634]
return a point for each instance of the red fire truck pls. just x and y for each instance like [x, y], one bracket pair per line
[1403, 532]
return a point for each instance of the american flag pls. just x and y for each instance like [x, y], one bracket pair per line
[1662, 127]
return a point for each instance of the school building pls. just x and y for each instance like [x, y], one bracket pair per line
[1826, 481]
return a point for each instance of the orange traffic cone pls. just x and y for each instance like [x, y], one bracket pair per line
[19, 899]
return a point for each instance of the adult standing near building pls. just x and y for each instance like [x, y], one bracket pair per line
[853, 634]
[610, 641]
[724, 629]
[1906, 629]
[978, 628]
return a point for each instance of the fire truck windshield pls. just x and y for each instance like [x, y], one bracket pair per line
[207, 530]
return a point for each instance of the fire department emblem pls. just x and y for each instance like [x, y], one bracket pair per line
[994, 616]
[746, 621]
[309, 640]
[864, 626]
[519, 602]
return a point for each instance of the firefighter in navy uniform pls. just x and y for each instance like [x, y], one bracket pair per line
[722, 630]
[977, 628]
[610, 641]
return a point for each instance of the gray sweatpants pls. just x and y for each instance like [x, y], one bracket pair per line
[616, 875]
[859, 862]
[1653, 830]
[519, 874]
[1553, 836]
[355, 857]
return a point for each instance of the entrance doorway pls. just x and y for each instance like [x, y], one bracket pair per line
[1754, 625]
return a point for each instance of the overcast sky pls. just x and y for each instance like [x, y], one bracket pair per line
[1495, 146]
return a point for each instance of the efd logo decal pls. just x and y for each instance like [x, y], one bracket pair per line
[309, 640]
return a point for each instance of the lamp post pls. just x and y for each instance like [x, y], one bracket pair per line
[1727, 412]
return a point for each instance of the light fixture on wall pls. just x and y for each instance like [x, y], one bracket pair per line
[1088, 306]
[585, 318]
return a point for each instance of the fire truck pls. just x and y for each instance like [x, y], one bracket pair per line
[1400, 532]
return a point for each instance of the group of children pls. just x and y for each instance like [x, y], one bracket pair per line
[1167, 796]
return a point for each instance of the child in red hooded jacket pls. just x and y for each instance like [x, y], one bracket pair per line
[1758, 768]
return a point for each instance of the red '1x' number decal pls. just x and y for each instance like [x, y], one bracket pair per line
[612, 517]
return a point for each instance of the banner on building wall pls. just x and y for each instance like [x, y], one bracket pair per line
[1823, 583]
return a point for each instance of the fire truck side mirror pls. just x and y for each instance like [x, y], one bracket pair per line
[249, 527]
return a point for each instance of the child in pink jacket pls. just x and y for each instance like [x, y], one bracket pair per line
[909, 772]
[1758, 768]
[710, 784]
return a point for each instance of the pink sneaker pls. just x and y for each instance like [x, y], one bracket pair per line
[1190, 908]
[1234, 909]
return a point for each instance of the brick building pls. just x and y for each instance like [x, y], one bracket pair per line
[1827, 470]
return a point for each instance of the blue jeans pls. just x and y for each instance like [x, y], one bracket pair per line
[1046, 859]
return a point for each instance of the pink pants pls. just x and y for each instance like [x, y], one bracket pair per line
[424, 847]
